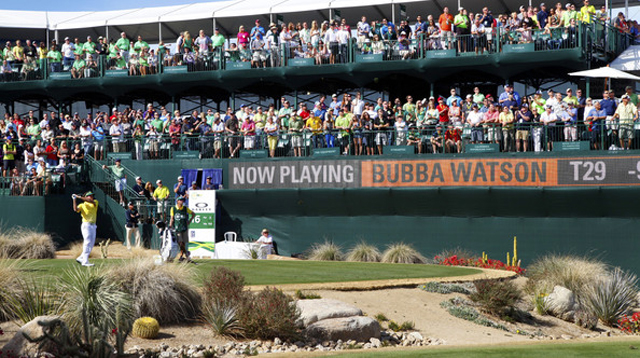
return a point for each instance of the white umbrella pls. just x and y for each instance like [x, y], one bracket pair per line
[605, 72]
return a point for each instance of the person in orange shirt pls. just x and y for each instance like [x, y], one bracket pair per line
[446, 21]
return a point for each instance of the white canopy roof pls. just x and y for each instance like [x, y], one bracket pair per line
[629, 60]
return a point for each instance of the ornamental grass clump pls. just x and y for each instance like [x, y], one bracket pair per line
[401, 253]
[363, 252]
[23, 243]
[612, 296]
[572, 272]
[90, 299]
[164, 292]
[327, 251]
[9, 287]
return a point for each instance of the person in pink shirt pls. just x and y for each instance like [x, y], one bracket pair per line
[243, 37]
[248, 130]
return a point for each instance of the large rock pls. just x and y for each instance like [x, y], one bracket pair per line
[561, 303]
[312, 311]
[357, 328]
[19, 346]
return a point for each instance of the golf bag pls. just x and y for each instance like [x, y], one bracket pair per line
[169, 249]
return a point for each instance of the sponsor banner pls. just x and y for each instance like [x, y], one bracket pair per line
[202, 232]
[295, 174]
[459, 172]
[388, 173]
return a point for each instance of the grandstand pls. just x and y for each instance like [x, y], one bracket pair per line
[392, 182]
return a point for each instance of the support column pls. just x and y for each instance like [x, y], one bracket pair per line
[233, 101]
[588, 88]
[431, 90]
[173, 104]
[295, 100]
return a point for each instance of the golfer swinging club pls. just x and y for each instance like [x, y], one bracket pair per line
[89, 212]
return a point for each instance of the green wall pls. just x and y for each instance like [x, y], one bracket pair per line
[26, 211]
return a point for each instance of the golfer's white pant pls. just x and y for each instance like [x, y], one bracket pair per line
[537, 139]
[133, 231]
[89, 234]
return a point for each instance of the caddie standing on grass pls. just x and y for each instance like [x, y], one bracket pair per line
[181, 217]
[89, 212]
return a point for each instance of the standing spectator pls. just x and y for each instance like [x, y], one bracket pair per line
[160, 195]
[55, 59]
[8, 158]
[120, 178]
[208, 185]
[181, 217]
[123, 45]
[626, 113]
[549, 119]
[446, 21]
[180, 189]
[67, 53]
[523, 119]
[232, 127]
[89, 212]
[132, 217]
[507, 119]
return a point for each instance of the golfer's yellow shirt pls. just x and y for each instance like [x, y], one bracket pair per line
[88, 211]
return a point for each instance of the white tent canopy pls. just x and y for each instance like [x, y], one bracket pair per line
[629, 60]
[605, 72]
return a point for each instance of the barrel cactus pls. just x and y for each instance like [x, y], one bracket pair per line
[145, 327]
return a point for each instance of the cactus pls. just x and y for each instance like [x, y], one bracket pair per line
[508, 259]
[145, 327]
[515, 251]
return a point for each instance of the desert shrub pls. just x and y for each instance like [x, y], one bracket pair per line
[401, 253]
[461, 253]
[444, 288]
[89, 299]
[380, 317]
[224, 285]
[571, 272]
[9, 286]
[495, 296]
[269, 314]
[610, 297]
[164, 292]
[29, 298]
[221, 318]
[364, 252]
[327, 251]
[458, 308]
[301, 295]
[23, 243]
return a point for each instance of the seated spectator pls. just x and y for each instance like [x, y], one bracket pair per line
[6, 71]
[77, 69]
[134, 65]
[437, 140]
[453, 140]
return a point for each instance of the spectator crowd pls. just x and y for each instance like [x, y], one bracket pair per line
[326, 42]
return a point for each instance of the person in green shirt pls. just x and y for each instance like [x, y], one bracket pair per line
[77, 70]
[122, 45]
[119, 63]
[55, 59]
[632, 96]
[343, 123]
[587, 12]
[283, 115]
[8, 157]
[140, 45]
[217, 40]
[120, 178]
[181, 217]
[33, 130]
[296, 125]
[463, 29]
[157, 123]
[89, 47]
[409, 110]
[78, 47]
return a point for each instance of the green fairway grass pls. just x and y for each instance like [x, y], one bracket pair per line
[539, 350]
[261, 272]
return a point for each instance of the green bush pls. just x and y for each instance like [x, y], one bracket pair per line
[224, 285]
[89, 299]
[363, 252]
[164, 292]
[443, 288]
[269, 314]
[327, 251]
[222, 318]
[401, 253]
[611, 296]
[495, 297]
[301, 295]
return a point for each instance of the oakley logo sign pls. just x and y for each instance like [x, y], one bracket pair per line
[201, 205]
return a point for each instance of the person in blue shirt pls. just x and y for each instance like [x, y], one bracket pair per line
[542, 15]
[98, 145]
[180, 189]
[608, 103]
[504, 95]
[257, 30]
[454, 97]
[595, 123]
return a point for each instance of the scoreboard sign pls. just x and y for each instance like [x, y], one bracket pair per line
[388, 173]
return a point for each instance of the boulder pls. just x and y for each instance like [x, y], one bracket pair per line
[312, 311]
[357, 328]
[19, 346]
[561, 303]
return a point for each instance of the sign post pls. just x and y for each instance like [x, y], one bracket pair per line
[202, 231]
